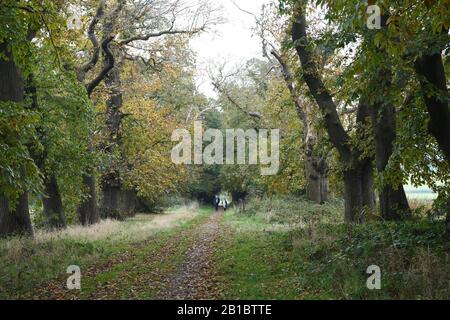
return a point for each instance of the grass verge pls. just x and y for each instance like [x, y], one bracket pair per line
[271, 254]
[29, 265]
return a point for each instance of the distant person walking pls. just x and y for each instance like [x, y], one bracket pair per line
[216, 202]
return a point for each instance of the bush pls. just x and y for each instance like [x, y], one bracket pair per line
[413, 257]
[295, 210]
[332, 257]
[119, 215]
[159, 206]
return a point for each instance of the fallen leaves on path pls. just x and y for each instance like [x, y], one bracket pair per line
[197, 278]
[165, 272]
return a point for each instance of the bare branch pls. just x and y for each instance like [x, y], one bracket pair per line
[108, 30]
[96, 46]
[196, 17]
[289, 80]
[106, 69]
[158, 34]
[221, 90]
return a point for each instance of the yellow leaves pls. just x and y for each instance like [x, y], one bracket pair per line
[147, 146]
[280, 112]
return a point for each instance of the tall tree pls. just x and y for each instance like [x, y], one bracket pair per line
[358, 180]
[17, 220]
[316, 164]
[271, 29]
[51, 199]
[431, 71]
[393, 202]
[88, 210]
[18, 28]
[163, 16]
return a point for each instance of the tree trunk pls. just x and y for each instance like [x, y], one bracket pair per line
[16, 222]
[111, 202]
[359, 192]
[53, 206]
[111, 182]
[316, 176]
[128, 202]
[316, 165]
[447, 220]
[88, 210]
[367, 186]
[359, 196]
[11, 81]
[431, 70]
[12, 89]
[393, 202]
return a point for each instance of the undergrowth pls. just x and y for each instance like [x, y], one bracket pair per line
[312, 254]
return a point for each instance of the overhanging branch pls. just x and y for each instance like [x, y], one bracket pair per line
[106, 69]
[96, 46]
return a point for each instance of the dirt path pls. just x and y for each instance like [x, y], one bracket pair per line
[196, 278]
[177, 266]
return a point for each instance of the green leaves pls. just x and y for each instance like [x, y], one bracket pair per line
[51, 127]
[18, 172]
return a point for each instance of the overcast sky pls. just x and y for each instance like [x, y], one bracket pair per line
[231, 41]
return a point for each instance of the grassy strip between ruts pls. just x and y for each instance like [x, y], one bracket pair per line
[36, 268]
[253, 260]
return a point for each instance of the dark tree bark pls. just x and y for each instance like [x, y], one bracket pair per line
[118, 203]
[88, 211]
[111, 183]
[393, 202]
[88, 66]
[53, 206]
[12, 89]
[111, 201]
[358, 172]
[431, 71]
[358, 191]
[17, 222]
[11, 81]
[447, 220]
[129, 202]
[51, 200]
[316, 172]
[110, 61]
[239, 198]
